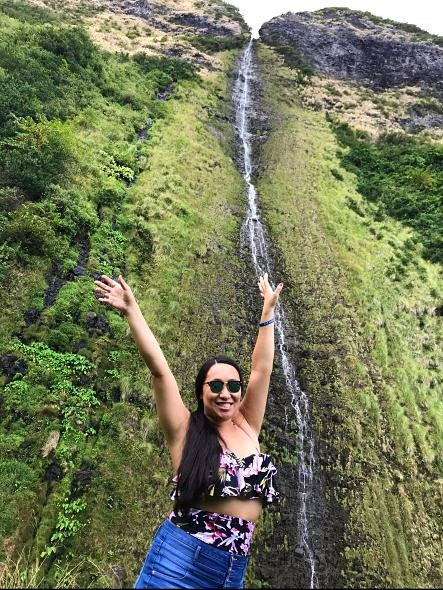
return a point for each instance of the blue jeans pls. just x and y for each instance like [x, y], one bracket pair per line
[176, 559]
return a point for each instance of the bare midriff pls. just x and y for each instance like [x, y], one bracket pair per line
[244, 508]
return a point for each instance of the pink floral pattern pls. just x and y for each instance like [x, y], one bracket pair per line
[219, 530]
[250, 477]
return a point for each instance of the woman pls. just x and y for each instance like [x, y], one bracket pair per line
[221, 481]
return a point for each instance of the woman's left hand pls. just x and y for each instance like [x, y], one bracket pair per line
[270, 297]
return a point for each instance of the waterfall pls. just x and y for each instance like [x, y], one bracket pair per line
[254, 233]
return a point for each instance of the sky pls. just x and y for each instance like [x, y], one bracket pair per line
[426, 14]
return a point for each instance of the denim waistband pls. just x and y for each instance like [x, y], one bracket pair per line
[177, 559]
[224, 557]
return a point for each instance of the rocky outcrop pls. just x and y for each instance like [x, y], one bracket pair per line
[171, 17]
[361, 48]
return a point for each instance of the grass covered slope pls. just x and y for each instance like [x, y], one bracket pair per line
[369, 323]
[146, 187]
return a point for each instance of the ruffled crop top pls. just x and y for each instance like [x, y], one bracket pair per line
[249, 477]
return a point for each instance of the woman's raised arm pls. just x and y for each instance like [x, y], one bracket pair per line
[172, 412]
[254, 402]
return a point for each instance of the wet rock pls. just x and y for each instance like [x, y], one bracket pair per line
[53, 472]
[55, 283]
[298, 553]
[31, 316]
[165, 94]
[10, 365]
[82, 479]
[143, 134]
[97, 322]
[78, 271]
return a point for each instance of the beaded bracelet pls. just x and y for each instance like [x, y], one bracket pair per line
[261, 324]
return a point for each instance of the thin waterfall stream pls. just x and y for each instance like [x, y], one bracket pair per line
[254, 233]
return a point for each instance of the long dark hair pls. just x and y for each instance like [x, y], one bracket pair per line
[201, 453]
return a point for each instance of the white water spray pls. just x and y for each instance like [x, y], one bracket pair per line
[254, 232]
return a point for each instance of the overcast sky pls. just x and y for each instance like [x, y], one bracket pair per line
[426, 14]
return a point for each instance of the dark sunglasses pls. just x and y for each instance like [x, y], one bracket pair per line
[216, 385]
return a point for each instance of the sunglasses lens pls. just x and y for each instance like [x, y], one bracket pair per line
[216, 386]
[234, 386]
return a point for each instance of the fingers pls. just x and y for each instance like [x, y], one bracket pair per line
[279, 288]
[123, 283]
[265, 287]
[102, 286]
[110, 282]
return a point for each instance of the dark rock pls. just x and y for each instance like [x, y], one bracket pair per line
[31, 316]
[97, 322]
[82, 479]
[78, 271]
[420, 120]
[353, 46]
[143, 133]
[165, 94]
[55, 283]
[10, 365]
[142, 8]
[202, 25]
[53, 472]
[299, 553]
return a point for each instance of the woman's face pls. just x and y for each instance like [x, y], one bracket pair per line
[222, 406]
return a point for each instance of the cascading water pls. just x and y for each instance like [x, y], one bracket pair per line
[254, 233]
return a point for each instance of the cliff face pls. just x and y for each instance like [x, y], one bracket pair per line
[358, 47]
[374, 74]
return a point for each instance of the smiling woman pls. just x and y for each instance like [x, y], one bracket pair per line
[222, 480]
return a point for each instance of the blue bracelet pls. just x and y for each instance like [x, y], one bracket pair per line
[261, 324]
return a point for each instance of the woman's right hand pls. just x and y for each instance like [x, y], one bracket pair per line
[116, 294]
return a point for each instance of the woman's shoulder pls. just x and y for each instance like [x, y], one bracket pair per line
[241, 421]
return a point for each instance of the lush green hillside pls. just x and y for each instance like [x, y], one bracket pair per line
[123, 162]
[99, 174]
[369, 323]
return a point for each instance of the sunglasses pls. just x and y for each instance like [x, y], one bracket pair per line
[216, 385]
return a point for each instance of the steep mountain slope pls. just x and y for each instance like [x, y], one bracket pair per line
[116, 155]
[109, 163]
[367, 303]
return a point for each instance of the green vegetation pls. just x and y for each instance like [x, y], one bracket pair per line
[367, 307]
[213, 43]
[84, 469]
[404, 177]
[84, 472]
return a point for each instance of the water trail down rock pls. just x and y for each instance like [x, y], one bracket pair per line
[254, 233]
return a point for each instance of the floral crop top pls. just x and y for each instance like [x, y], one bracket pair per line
[248, 477]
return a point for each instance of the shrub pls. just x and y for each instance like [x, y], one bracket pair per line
[172, 68]
[29, 230]
[40, 153]
[404, 176]
[213, 43]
